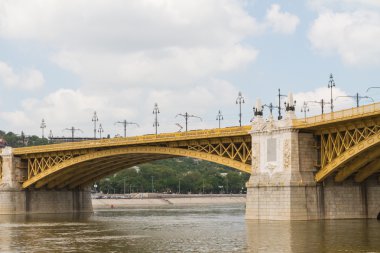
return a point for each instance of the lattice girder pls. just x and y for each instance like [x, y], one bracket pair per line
[343, 143]
[239, 159]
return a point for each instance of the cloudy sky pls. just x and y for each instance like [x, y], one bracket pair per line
[63, 60]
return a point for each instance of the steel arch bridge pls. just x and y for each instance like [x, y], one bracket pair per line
[78, 164]
[347, 142]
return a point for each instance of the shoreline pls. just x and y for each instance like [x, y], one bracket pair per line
[166, 200]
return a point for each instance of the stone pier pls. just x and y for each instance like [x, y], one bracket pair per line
[282, 185]
[15, 200]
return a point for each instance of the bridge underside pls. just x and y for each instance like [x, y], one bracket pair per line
[350, 149]
[80, 171]
[85, 173]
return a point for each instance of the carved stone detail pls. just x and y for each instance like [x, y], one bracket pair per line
[286, 154]
[255, 157]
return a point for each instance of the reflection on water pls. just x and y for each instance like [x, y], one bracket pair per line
[183, 229]
[314, 236]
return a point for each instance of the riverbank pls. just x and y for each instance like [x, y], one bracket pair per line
[117, 201]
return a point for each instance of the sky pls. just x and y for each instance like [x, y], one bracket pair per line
[63, 60]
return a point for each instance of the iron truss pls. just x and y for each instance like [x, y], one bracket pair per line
[240, 151]
[61, 166]
[348, 148]
[348, 142]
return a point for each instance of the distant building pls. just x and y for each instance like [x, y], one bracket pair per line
[3, 143]
[69, 139]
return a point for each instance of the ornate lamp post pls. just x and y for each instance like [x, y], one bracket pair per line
[43, 126]
[219, 117]
[330, 85]
[239, 101]
[95, 120]
[156, 111]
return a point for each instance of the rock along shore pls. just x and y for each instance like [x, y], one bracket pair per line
[145, 199]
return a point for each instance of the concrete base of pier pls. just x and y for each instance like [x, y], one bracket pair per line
[282, 184]
[329, 200]
[13, 201]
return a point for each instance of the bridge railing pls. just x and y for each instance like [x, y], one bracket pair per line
[150, 138]
[347, 114]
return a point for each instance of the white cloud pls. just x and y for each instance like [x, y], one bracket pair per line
[28, 79]
[136, 43]
[352, 35]
[170, 67]
[344, 5]
[131, 54]
[313, 100]
[281, 22]
[65, 108]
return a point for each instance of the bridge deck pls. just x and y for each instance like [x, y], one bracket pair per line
[315, 122]
[136, 140]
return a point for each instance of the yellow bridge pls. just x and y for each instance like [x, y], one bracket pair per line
[346, 141]
[73, 165]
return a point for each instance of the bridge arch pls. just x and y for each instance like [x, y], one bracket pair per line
[366, 146]
[77, 170]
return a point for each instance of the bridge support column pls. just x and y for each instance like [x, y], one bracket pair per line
[15, 200]
[281, 186]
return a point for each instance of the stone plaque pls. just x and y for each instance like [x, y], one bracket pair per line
[271, 150]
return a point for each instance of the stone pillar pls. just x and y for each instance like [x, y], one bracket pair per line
[12, 199]
[12, 174]
[15, 200]
[281, 186]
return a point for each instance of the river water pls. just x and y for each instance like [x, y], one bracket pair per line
[202, 228]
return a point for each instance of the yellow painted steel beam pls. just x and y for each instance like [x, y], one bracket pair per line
[362, 112]
[105, 174]
[356, 164]
[80, 175]
[66, 175]
[100, 175]
[346, 156]
[136, 140]
[60, 184]
[367, 171]
[110, 170]
[137, 150]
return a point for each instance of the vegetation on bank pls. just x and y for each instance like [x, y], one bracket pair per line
[22, 140]
[184, 175]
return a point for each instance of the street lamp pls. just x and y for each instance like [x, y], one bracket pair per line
[239, 101]
[156, 111]
[95, 119]
[279, 103]
[305, 108]
[330, 85]
[100, 130]
[219, 117]
[43, 126]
